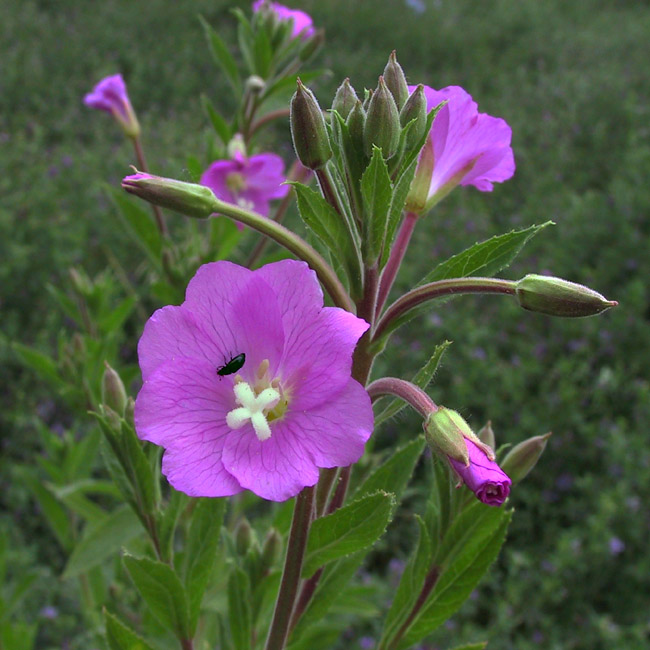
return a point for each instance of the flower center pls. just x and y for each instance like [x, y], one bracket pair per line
[235, 182]
[261, 403]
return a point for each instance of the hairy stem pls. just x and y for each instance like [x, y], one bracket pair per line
[406, 391]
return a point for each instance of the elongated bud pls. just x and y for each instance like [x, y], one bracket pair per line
[416, 201]
[308, 129]
[187, 198]
[415, 108]
[113, 391]
[243, 537]
[345, 99]
[445, 432]
[382, 127]
[356, 121]
[486, 436]
[271, 550]
[80, 282]
[557, 297]
[521, 459]
[312, 45]
[129, 411]
[396, 81]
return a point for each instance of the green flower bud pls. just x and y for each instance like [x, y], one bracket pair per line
[415, 108]
[345, 99]
[243, 537]
[382, 127]
[557, 297]
[187, 198]
[113, 391]
[396, 81]
[312, 45]
[308, 129]
[523, 457]
[271, 550]
[486, 436]
[356, 121]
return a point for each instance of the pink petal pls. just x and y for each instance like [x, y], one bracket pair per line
[183, 407]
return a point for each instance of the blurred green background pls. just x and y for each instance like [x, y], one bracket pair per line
[570, 78]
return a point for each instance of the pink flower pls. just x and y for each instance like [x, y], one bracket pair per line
[303, 25]
[290, 405]
[465, 147]
[250, 183]
[483, 476]
[110, 95]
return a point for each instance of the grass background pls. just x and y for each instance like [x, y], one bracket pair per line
[570, 78]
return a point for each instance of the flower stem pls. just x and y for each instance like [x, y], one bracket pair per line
[296, 173]
[406, 391]
[292, 568]
[142, 164]
[329, 190]
[293, 243]
[395, 259]
[265, 119]
[410, 300]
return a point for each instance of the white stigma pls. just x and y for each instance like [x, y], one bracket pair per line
[245, 203]
[254, 408]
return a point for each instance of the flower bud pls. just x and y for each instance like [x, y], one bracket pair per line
[271, 550]
[356, 121]
[129, 411]
[187, 198]
[557, 297]
[382, 127]
[113, 391]
[308, 129]
[415, 108]
[312, 45]
[486, 436]
[345, 99]
[243, 537]
[396, 81]
[445, 432]
[416, 201]
[521, 459]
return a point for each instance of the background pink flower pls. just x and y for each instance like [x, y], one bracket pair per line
[303, 25]
[250, 183]
[291, 409]
[110, 95]
[483, 476]
[468, 147]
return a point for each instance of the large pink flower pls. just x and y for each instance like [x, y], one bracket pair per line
[303, 25]
[483, 476]
[250, 183]
[290, 409]
[110, 95]
[468, 147]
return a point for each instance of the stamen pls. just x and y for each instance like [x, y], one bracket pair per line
[254, 408]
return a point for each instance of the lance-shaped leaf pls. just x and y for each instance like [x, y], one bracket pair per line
[377, 192]
[348, 530]
[219, 124]
[222, 56]
[239, 609]
[162, 591]
[122, 637]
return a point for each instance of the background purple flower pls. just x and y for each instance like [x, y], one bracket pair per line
[468, 147]
[110, 95]
[303, 25]
[291, 409]
[483, 476]
[250, 183]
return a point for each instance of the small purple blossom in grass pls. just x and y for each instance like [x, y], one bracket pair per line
[483, 476]
[110, 95]
[291, 409]
[468, 147]
[303, 25]
[251, 183]
[616, 545]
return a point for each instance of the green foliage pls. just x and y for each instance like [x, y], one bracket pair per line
[120, 636]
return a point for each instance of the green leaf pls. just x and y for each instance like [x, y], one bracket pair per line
[67, 304]
[102, 541]
[485, 258]
[115, 318]
[377, 192]
[121, 637]
[219, 123]
[349, 529]
[469, 548]
[321, 218]
[221, 55]
[201, 550]
[40, 362]
[18, 593]
[472, 646]
[162, 591]
[140, 223]
[394, 474]
[262, 53]
[421, 378]
[288, 84]
[168, 519]
[410, 583]
[245, 39]
[239, 609]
